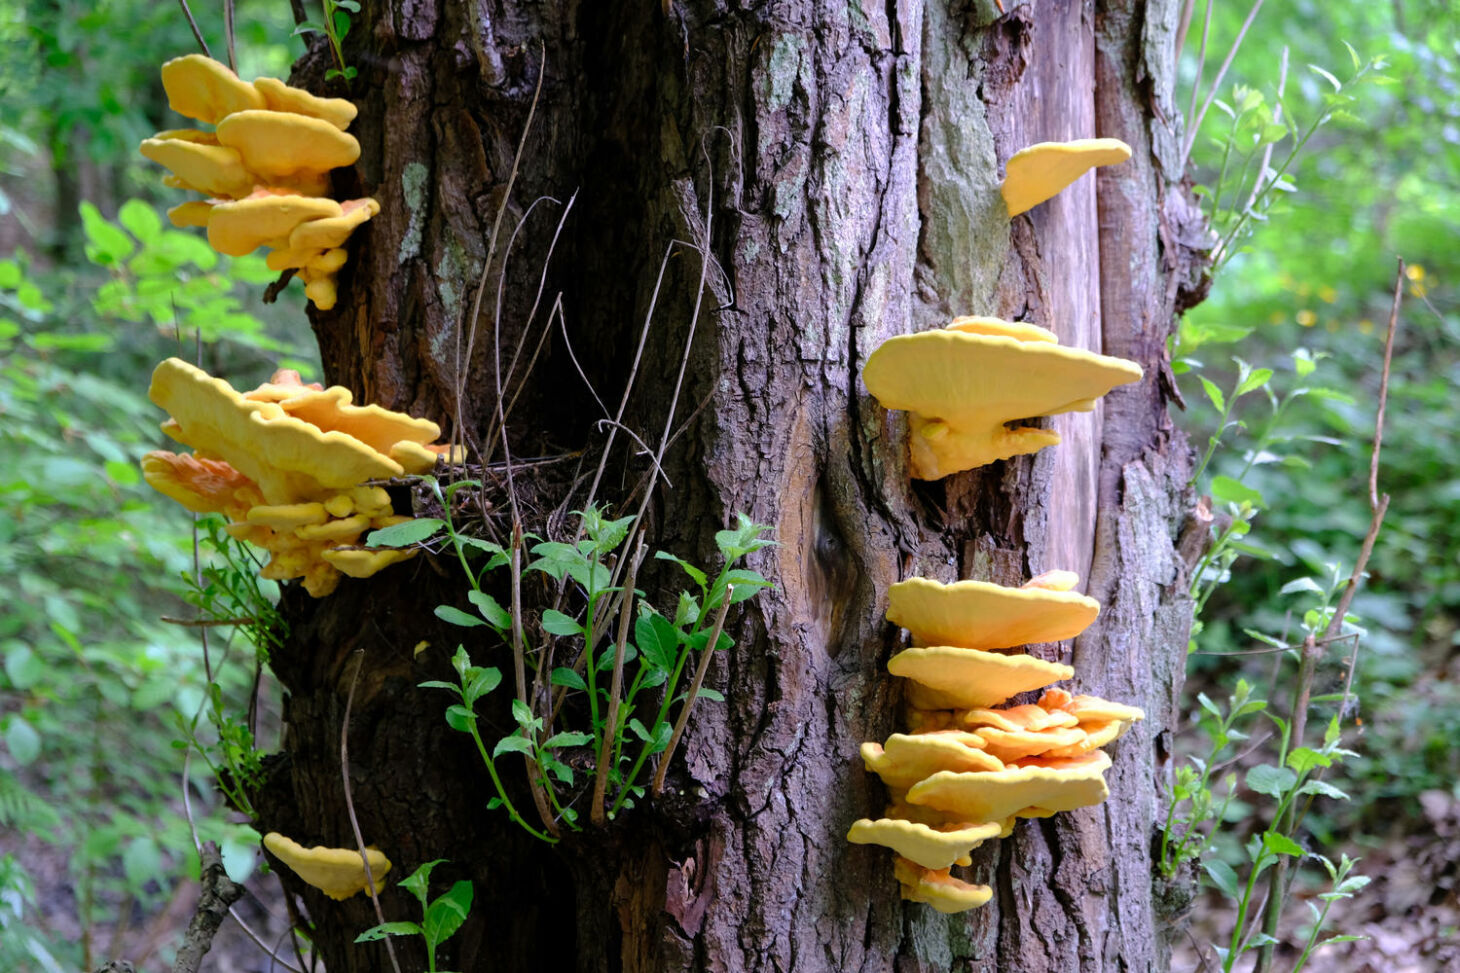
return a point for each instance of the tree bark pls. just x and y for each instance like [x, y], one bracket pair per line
[843, 165]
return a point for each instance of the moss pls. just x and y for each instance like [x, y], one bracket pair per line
[413, 190]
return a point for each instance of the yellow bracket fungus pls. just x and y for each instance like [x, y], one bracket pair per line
[930, 846]
[906, 759]
[952, 789]
[1041, 171]
[981, 615]
[287, 463]
[996, 794]
[937, 888]
[945, 677]
[266, 169]
[963, 384]
[337, 872]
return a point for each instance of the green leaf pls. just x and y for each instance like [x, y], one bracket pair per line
[420, 880]
[1255, 380]
[742, 539]
[699, 577]
[1326, 76]
[480, 681]
[122, 474]
[106, 245]
[447, 913]
[1281, 844]
[1222, 876]
[563, 676]
[1323, 789]
[710, 694]
[555, 622]
[1305, 759]
[405, 533]
[657, 640]
[388, 929]
[140, 220]
[1301, 584]
[491, 610]
[512, 744]
[1270, 780]
[22, 740]
[567, 739]
[1214, 393]
[1228, 490]
[459, 718]
[23, 667]
[456, 616]
[521, 712]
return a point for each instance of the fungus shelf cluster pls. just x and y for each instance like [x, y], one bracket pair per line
[265, 169]
[968, 770]
[290, 465]
[969, 767]
[337, 872]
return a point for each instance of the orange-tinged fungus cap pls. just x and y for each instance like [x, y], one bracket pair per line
[1092, 709]
[337, 872]
[935, 887]
[201, 485]
[320, 289]
[962, 388]
[945, 677]
[330, 233]
[906, 759]
[1039, 172]
[199, 87]
[929, 846]
[192, 213]
[263, 219]
[281, 145]
[279, 96]
[362, 564]
[380, 429]
[982, 615]
[1012, 745]
[214, 170]
[287, 457]
[289, 516]
[1030, 716]
[995, 795]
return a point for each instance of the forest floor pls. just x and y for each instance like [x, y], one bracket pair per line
[1409, 914]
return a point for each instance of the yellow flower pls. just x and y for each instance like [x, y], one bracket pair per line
[1307, 318]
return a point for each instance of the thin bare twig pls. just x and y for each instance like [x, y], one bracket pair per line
[610, 725]
[206, 622]
[198, 34]
[1312, 648]
[1217, 81]
[694, 690]
[350, 805]
[228, 34]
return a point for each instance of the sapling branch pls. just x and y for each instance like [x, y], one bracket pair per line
[610, 727]
[197, 34]
[1313, 648]
[350, 803]
[694, 690]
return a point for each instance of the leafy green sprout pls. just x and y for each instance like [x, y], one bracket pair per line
[440, 917]
[1247, 182]
[335, 27]
[658, 646]
[1241, 501]
[229, 592]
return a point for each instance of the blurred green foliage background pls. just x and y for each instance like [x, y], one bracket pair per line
[95, 288]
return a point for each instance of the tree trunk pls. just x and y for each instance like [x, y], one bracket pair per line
[843, 164]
